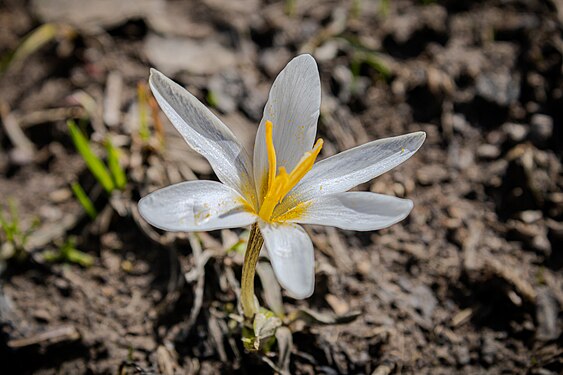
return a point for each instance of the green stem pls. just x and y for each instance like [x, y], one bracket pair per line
[255, 242]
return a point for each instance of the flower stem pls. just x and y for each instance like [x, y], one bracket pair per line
[255, 242]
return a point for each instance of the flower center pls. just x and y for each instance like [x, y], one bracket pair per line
[282, 183]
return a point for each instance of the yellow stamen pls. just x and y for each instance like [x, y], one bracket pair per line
[304, 165]
[271, 153]
[281, 184]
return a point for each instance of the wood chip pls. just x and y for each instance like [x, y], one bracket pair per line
[339, 306]
[462, 317]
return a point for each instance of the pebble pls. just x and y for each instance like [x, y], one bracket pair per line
[547, 310]
[462, 355]
[50, 212]
[498, 87]
[541, 129]
[488, 152]
[327, 51]
[273, 60]
[172, 55]
[516, 132]
[532, 234]
[460, 124]
[42, 315]
[63, 286]
[92, 16]
[431, 174]
[530, 216]
[60, 195]
[488, 350]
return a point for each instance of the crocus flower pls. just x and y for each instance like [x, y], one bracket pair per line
[281, 186]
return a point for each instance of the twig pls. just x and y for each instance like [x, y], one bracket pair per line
[23, 145]
[49, 115]
[50, 337]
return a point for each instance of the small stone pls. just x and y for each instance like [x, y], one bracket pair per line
[462, 355]
[460, 123]
[498, 87]
[63, 286]
[141, 343]
[42, 315]
[172, 55]
[424, 301]
[546, 315]
[60, 195]
[327, 51]
[541, 244]
[273, 60]
[541, 129]
[20, 156]
[50, 212]
[530, 216]
[339, 306]
[431, 174]
[444, 355]
[516, 132]
[488, 152]
[532, 234]
[488, 350]
[92, 16]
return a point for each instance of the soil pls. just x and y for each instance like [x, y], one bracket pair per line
[469, 283]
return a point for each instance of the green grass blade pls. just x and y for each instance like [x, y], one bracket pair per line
[76, 256]
[10, 226]
[94, 163]
[376, 63]
[68, 253]
[142, 97]
[84, 200]
[32, 42]
[117, 172]
[15, 216]
[6, 227]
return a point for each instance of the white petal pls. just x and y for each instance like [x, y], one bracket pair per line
[195, 206]
[356, 211]
[291, 253]
[293, 108]
[352, 167]
[204, 132]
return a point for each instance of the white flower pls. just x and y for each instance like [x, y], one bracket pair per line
[280, 187]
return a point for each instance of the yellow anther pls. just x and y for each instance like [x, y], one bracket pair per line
[282, 183]
[304, 165]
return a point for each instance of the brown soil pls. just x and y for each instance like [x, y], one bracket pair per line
[469, 283]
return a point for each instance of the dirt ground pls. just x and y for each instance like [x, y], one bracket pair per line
[469, 283]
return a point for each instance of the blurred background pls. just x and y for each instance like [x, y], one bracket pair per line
[469, 283]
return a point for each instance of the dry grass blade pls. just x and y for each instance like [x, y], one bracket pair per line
[197, 274]
[25, 148]
[33, 42]
[285, 345]
[270, 288]
[50, 337]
